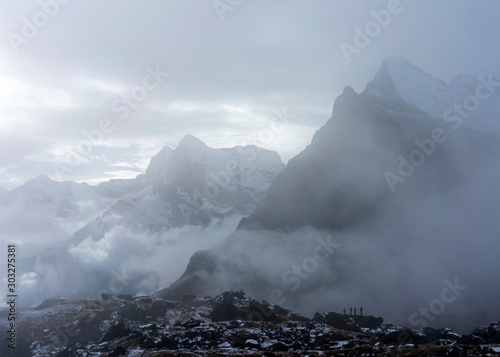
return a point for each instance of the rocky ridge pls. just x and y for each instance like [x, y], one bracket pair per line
[229, 324]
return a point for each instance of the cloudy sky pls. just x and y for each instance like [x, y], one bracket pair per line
[90, 90]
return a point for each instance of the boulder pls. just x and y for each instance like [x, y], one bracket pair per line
[132, 312]
[146, 342]
[226, 312]
[251, 343]
[167, 343]
[191, 323]
[158, 309]
[470, 340]
[117, 330]
[279, 347]
[402, 337]
[258, 312]
[88, 328]
[118, 351]
[368, 321]
[342, 322]
[318, 317]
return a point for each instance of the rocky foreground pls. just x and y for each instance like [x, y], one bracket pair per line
[232, 324]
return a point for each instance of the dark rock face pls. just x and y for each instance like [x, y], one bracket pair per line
[88, 329]
[118, 351]
[309, 191]
[351, 323]
[369, 321]
[189, 282]
[131, 311]
[158, 308]
[106, 296]
[115, 331]
[167, 343]
[318, 318]
[401, 337]
[238, 306]
[226, 312]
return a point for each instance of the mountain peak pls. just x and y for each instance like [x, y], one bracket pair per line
[191, 141]
[398, 78]
[40, 178]
[157, 162]
[349, 91]
[397, 61]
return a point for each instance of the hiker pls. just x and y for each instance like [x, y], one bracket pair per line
[344, 311]
[354, 311]
[350, 311]
[361, 311]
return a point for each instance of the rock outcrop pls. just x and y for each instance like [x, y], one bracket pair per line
[229, 324]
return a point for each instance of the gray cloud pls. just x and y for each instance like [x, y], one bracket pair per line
[263, 56]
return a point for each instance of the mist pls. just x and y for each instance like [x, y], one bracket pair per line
[122, 262]
[422, 254]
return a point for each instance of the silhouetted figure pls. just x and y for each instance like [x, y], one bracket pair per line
[361, 311]
[354, 311]
[344, 311]
[350, 311]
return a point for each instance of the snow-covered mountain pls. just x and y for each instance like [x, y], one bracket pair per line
[467, 100]
[188, 185]
[192, 184]
[43, 212]
[76, 234]
[68, 200]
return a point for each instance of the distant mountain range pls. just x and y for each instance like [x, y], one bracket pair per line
[189, 185]
[193, 184]
[65, 227]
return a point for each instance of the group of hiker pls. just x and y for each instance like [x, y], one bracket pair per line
[350, 311]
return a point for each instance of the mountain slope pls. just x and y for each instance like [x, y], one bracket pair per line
[340, 181]
[337, 197]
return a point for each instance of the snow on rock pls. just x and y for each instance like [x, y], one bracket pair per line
[399, 79]
[65, 327]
